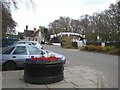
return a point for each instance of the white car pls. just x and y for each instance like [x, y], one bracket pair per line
[14, 57]
[30, 43]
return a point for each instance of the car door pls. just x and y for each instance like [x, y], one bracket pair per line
[19, 55]
[6, 55]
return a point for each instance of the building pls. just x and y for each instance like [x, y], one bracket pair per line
[20, 35]
[32, 35]
[38, 36]
[28, 34]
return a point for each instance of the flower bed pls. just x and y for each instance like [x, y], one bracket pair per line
[43, 60]
[106, 49]
[43, 70]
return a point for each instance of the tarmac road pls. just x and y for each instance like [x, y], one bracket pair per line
[107, 64]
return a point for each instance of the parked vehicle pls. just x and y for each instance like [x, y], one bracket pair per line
[31, 43]
[14, 57]
[5, 42]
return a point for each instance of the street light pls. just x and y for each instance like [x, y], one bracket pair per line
[98, 36]
[110, 33]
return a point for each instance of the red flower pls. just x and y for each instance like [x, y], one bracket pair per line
[51, 59]
[32, 58]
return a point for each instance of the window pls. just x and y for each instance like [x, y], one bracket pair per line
[34, 50]
[21, 42]
[20, 50]
[31, 43]
[36, 39]
[8, 51]
[34, 43]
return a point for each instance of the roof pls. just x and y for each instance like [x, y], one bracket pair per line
[20, 45]
[29, 33]
[36, 32]
[27, 41]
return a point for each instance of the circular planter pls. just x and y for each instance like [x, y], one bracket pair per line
[43, 73]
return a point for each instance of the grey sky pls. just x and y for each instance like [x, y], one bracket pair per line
[47, 11]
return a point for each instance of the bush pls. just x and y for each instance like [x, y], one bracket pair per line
[74, 44]
[94, 48]
[66, 42]
[93, 43]
[49, 44]
[115, 51]
[99, 48]
[90, 47]
[82, 48]
[108, 48]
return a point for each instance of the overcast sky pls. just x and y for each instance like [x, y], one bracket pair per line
[46, 11]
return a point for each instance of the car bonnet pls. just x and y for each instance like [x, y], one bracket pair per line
[50, 53]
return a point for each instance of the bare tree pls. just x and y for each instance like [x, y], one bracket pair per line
[8, 24]
[7, 21]
[104, 24]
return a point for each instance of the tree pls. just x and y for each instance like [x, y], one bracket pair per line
[44, 32]
[7, 21]
[104, 24]
[75, 26]
[8, 24]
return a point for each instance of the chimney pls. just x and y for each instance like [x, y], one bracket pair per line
[34, 29]
[27, 27]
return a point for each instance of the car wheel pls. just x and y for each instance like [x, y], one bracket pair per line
[10, 65]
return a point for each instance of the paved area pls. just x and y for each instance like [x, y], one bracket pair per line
[74, 77]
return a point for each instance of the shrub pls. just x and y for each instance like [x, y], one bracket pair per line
[49, 44]
[115, 51]
[98, 48]
[74, 45]
[82, 48]
[108, 48]
[90, 47]
[94, 48]
[67, 46]
[66, 42]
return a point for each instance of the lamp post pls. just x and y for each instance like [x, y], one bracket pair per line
[83, 37]
[98, 36]
[110, 33]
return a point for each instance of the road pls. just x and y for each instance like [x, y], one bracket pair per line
[107, 64]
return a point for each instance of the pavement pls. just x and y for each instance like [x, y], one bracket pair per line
[74, 77]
